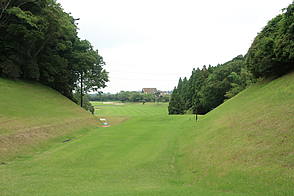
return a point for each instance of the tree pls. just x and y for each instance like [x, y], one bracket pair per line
[174, 104]
[39, 42]
[177, 103]
[271, 53]
[89, 68]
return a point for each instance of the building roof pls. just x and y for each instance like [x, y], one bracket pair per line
[149, 90]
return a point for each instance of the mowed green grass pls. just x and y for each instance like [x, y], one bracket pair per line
[136, 157]
[31, 100]
[130, 109]
[242, 148]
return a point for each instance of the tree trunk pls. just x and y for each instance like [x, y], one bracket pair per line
[81, 89]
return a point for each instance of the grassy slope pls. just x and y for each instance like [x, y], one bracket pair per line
[31, 114]
[243, 148]
[246, 144]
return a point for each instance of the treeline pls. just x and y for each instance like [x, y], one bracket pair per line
[39, 42]
[270, 55]
[209, 87]
[130, 96]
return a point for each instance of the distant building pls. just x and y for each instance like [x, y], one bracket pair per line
[149, 90]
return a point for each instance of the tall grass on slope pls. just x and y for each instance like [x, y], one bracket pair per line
[246, 144]
[31, 114]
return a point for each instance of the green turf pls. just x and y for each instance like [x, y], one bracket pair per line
[130, 109]
[134, 158]
[242, 148]
[25, 100]
[31, 113]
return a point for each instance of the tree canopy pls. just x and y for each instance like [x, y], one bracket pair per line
[209, 87]
[272, 52]
[39, 42]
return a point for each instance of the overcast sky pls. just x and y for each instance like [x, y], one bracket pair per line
[151, 43]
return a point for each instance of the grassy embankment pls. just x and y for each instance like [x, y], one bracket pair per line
[32, 115]
[242, 148]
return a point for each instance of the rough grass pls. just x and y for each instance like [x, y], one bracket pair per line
[246, 144]
[31, 114]
[242, 148]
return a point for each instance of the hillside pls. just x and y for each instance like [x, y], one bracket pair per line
[247, 143]
[31, 113]
[242, 148]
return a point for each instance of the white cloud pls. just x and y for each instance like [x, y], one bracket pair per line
[151, 43]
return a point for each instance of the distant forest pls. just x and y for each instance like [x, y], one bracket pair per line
[270, 55]
[131, 96]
